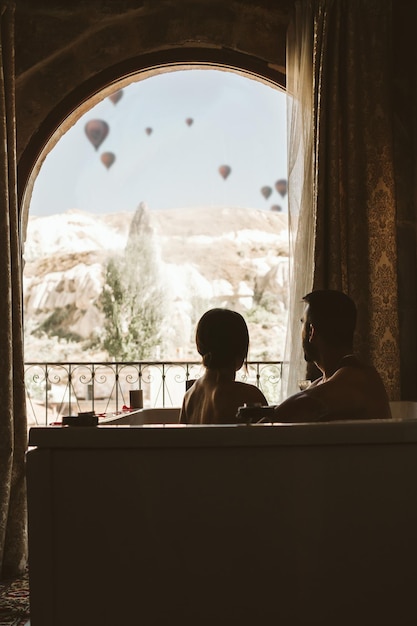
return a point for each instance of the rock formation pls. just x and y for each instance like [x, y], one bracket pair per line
[219, 256]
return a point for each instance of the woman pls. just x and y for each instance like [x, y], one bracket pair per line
[222, 339]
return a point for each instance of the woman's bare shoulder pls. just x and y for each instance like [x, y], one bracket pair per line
[253, 393]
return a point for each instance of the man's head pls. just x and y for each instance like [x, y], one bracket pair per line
[330, 316]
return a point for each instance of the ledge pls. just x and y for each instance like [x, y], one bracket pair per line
[178, 435]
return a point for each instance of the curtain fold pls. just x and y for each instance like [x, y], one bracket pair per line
[342, 207]
[13, 426]
[404, 87]
[355, 247]
[301, 196]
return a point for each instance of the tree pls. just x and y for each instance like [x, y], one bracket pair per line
[133, 296]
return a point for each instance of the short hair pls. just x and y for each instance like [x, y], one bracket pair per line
[333, 314]
[222, 337]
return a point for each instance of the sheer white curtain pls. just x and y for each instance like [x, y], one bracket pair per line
[301, 197]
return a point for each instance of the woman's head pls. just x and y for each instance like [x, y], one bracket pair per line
[222, 339]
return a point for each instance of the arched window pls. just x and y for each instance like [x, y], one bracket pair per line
[164, 196]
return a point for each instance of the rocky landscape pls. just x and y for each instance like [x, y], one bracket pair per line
[220, 256]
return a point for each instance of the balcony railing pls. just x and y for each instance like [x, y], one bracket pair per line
[57, 389]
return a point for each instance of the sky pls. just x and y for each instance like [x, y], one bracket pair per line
[237, 121]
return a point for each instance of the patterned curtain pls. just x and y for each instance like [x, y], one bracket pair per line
[13, 428]
[404, 87]
[356, 248]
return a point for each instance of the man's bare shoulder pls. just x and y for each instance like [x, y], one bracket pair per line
[352, 392]
[348, 387]
[359, 377]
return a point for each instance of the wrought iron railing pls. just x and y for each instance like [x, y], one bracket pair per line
[57, 389]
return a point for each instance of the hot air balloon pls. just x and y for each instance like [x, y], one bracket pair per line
[189, 121]
[115, 97]
[148, 131]
[108, 158]
[281, 187]
[266, 191]
[224, 171]
[276, 207]
[96, 131]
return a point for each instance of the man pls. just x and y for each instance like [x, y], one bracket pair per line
[348, 389]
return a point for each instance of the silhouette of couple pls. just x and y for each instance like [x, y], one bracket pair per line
[348, 388]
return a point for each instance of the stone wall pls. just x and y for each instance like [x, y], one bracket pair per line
[67, 51]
